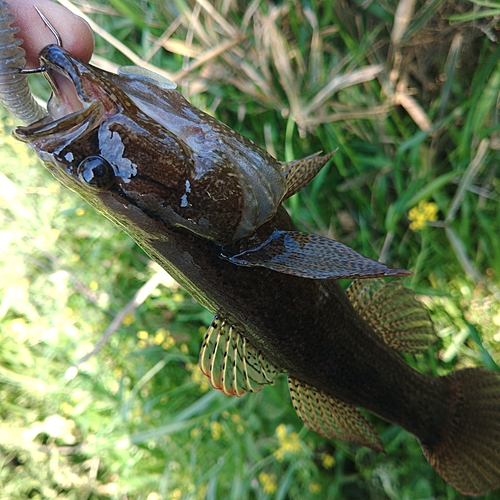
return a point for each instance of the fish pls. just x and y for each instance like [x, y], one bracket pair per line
[206, 204]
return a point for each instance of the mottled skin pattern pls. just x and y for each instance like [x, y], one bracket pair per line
[192, 192]
[305, 327]
[205, 159]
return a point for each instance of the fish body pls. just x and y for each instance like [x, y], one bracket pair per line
[205, 203]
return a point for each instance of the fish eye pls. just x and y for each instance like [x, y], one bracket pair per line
[96, 172]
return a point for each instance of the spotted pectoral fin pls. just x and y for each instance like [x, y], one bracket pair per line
[231, 363]
[393, 312]
[311, 256]
[299, 173]
[331, 417]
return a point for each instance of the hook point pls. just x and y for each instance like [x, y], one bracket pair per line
[47, 23]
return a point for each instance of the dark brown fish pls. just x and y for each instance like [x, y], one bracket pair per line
[205, 203]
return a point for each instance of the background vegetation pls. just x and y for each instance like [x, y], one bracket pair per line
[410, 96]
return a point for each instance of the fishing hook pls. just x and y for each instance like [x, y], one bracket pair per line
[41, 69]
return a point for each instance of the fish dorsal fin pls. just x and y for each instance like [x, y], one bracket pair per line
[231, 363]
[299, 173]
[393, 312]
[331, 417]
[311, 256]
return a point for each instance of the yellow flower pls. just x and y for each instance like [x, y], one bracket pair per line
[315, 487]
[54, 234]
[268, 482]
[142, 334]
[170, 342]
[288, 443]
[66, 407]
[424, 212]
[128, 320]
[281, 432]
[327, 460]
[176, 494]
[160, 336]
[216, 430]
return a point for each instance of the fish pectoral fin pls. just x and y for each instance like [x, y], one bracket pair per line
[299, 173]
[231, 363]
[311, 256]
[331, 417]
[394, 313]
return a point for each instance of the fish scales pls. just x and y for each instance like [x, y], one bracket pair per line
[205, 203]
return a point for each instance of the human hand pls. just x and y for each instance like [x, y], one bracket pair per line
[76, 35]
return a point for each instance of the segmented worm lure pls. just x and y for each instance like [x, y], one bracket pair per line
[15, 93]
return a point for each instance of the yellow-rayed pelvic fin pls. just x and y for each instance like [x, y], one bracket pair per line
[231, 363]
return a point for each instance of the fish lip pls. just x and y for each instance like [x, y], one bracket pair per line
[58, 129]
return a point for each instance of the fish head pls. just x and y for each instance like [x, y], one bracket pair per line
[135, 149]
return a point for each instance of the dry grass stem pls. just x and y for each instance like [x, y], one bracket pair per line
[375, 112]
[218, 18]
[207, 56]
[402, 19]
[340, 82]
[413, 108]
[160, 42]
[138, 61]
[472, 171]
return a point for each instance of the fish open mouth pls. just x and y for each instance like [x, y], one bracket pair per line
[78, 95]
[65, 99]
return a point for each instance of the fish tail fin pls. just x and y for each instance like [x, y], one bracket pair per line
[467, 455]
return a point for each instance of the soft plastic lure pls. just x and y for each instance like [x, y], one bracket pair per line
[15, 93]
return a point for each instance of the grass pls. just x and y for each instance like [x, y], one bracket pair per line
[411, 101]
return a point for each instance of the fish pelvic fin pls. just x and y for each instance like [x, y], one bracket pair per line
[394, 313]
[231, 363]
[299, 173]
[467, 455]
[331, 417]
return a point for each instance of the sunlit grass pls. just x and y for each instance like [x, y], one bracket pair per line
[413, 109]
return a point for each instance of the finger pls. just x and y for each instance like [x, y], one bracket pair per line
[76, 35]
